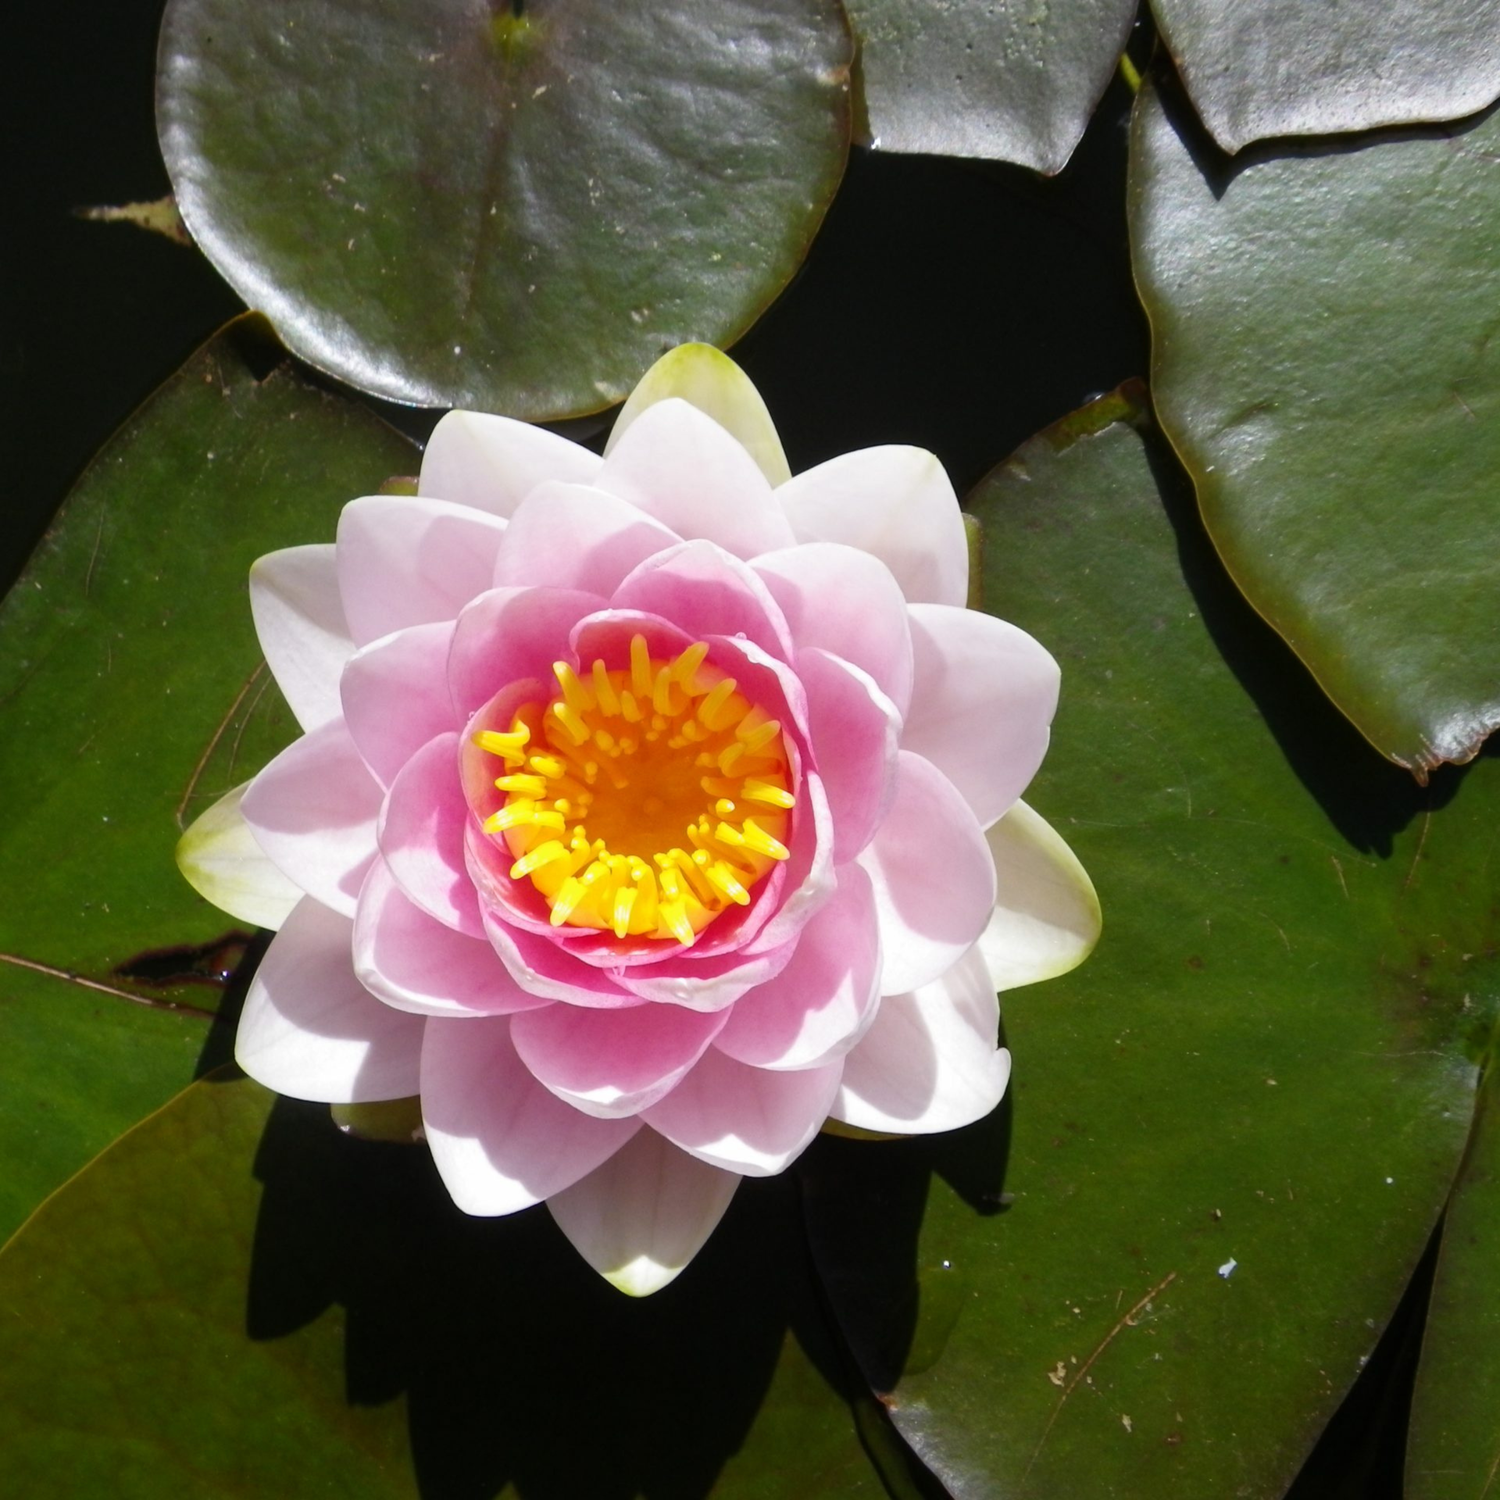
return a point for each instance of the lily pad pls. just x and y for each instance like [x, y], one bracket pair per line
[1157, 1269]
[1014, 83]
[131, 694]
[1258, 68]
[235, 1299]
[1324, 366]
[517, 210]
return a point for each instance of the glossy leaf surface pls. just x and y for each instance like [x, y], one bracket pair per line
[131, 694]
[1325, 368]
[237, 1300]
[1011, 82]
[453, 205]
[1258, 68]
[1156, 1269]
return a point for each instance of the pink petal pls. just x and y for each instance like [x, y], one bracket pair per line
[510, 634]
[818, 1007]
[933, 876]
[744, 1119]
[405, 561]
[706, 591]
[855, 732]
[395, 696]
[501, 1142]
[984, 698]
[681, 467]
[416, 964]
[493, 463]
[294, 599]
[612, 1063]
[642, 1216]
[846, 602]
[422, 836]
[541, 966]
[313, 811]
[312, 1031]
[930, 1061]
[569, 536]
[895, 503]
[707, 982]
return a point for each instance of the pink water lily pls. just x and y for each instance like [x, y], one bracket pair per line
[650, 811]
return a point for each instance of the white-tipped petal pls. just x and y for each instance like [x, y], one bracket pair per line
[708, 379]
[492, 463]
[1046, 918]
[642, 1216]
[299, 617]
[220, 859]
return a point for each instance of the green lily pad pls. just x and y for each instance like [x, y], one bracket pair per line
[454, 204]
[132, 693]
[1258, 68]
[1014, 83]
[1324, 367]
[1453, 1444]
[237, 1300]
[1158, 1267]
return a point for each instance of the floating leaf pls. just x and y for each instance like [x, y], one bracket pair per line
[131, 695]
[1016, 82]
[1325, 368]
[1258, 68]
[215, 1334]
[459, 204]
[1158, 1267]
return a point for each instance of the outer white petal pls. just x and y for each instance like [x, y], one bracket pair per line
[894, 502]
[930, 1061]
[642, 1216]
[1046, 919]
[299, 617]
[493, 463]
[220, 859]
[311, 1030]
[703, 377]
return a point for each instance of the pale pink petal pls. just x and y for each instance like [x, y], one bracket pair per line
[493, 463]
[294, 600]
[930, 1061]
[896, 503]
[313, 811]
[312, 1031]
[569, 536]
[984, 697]
[403, 560]
[681, 467]
[743, 1119]
[415, 963]
[642, 1216]
[395, 696]
[219, 858]
[706, 591]
[422, 836]
[501, 1141]
[855, 733]
[510, 634]
[933, 876]
[818, 1007]
[612, 1063]
[846, 602]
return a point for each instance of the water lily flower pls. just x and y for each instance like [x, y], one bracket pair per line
[651, 811]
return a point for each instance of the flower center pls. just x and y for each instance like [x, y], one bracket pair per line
[643, 801]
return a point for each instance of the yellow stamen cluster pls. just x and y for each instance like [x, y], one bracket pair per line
[644, 800]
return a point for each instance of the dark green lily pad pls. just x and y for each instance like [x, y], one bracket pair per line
[1258, 68]
[329, 1323]
[1014, 83]
[1158, 1267]
[1324, 366]
[132, 694]
[453, 205]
